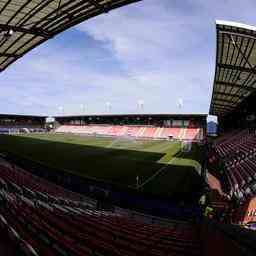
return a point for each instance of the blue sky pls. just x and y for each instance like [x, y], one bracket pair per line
[155, 51]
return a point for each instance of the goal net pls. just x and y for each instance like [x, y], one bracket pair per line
[186, 146]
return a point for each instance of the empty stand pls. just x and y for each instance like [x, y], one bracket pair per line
[50, 220]
[192, 134]
[147, 132]
[237, 150]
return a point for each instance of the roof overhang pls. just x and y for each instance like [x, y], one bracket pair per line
[25, 24]
[235, 71]
[166, 115]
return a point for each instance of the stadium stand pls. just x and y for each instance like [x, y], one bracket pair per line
[53, 221]
[15, 124]
[25, 183]
[38, 217]
[238, 151]
[49, 220]
[171, 133]
[233, 102]
[133, 131]
[149, 132]
[192, 134]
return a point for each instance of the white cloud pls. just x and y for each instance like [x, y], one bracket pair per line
[158, 51]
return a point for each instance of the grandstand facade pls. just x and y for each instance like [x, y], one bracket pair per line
[151, 126]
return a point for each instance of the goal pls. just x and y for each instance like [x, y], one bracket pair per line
[186, 146]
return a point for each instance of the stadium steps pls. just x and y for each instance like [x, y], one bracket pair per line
[238, 151]
[52, 228]
[158, 133]
[124, 131]
[191, 133]
[149, 132]
[141, 132]
[182, 133]
[133, 131]
[107, 234]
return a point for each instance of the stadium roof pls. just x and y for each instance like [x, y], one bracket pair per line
[24, 24]
[235, 72]
[132, 115]
[11, 116]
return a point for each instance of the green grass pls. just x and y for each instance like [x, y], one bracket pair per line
[161, 165]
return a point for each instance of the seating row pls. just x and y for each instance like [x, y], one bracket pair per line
[237, 150]
[195, 134]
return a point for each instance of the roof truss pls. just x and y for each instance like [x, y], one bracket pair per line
[25, 24]
[220, 105]
[228, 94]
[235, 85]
[224, 100]
[235, 73]
[238, 68]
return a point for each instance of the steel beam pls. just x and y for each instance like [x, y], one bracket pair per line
[31, 31]
[235, 85]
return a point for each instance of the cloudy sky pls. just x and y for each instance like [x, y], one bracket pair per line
[156, 52]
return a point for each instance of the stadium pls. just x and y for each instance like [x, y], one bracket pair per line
[127, 184]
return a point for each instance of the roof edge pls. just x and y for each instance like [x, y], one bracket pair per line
[235, 24]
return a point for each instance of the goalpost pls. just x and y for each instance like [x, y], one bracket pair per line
[186, 146]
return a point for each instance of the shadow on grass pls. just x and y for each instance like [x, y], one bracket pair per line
[180, 178]
[116, 166]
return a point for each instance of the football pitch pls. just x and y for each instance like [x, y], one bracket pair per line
[161, 166]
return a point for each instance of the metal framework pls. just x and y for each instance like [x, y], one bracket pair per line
[235, 71]
[24, 24]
